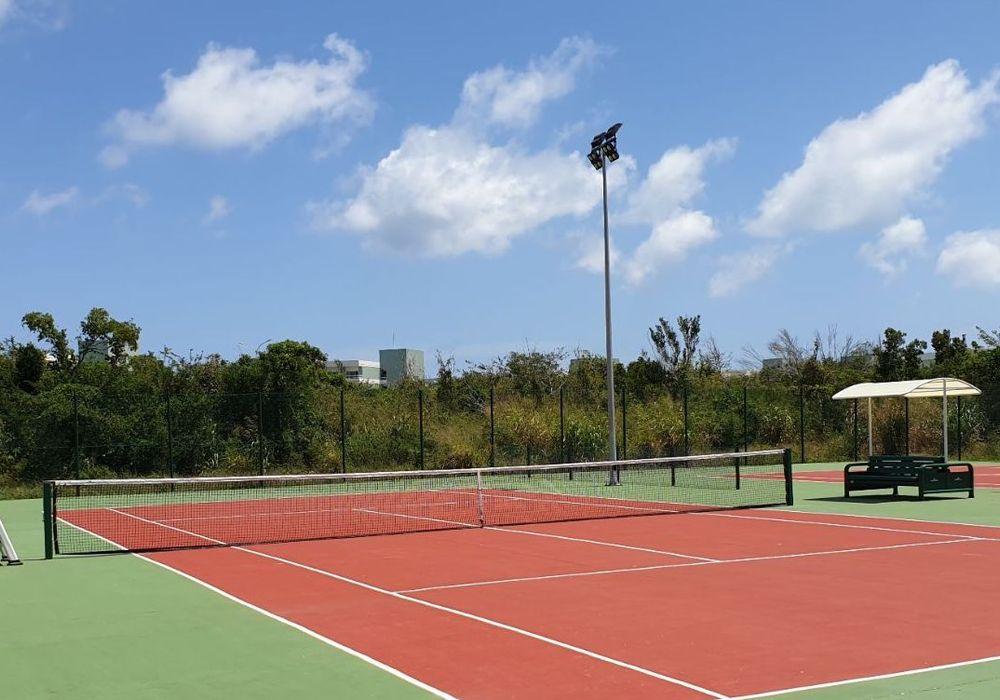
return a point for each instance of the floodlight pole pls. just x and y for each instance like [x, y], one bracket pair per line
[610, 370]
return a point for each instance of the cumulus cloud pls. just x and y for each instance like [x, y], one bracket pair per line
[863, 171]
[671, 240]
[218, 209]
[972, 259]
[740, 269]
[6, 11]
[662, 201]
[445, 192]
[590, 253]
[42, 204]
[515, 98]
[674, 181]
[451, 189]
[895, 244]
[231, 101]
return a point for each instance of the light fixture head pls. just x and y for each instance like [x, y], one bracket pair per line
[611, 149]
[595, 158]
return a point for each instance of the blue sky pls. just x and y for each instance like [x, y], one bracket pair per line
[360, 174]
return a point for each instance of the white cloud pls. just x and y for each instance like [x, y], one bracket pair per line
[896, 243]
[740, 269]
[134, 194]
[671, 240]
[863, 171]
[230, 101]
[590, 253]
[972, 259]
[41, 204]
[445, 192]
[674, 181]
[218, 208]
[515, 98]
[6, 10]
[449, 190]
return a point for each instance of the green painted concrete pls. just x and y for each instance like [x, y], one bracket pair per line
[120, 627]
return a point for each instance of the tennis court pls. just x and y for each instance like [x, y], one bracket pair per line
[515, 582]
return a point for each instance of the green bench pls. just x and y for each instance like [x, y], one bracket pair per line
[927, 474]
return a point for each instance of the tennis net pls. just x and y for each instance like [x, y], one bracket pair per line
[92, 516]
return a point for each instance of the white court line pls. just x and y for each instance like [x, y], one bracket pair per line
[601, 542]
[278, 618]
[455, 611]
[862, 679]
[847, 525]
[886, 517]
[656, 567]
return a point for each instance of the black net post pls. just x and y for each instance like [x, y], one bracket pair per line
[624, 426]
[746, 422]
[76, 435]
[854, 450]
[343, 433]
[170, 435]
[787, 464]
[260, 431]
[687, 432]
[906, 425]
[493, 430]
[420, 423]
[48, 499]
[562, 424]
[802, 424]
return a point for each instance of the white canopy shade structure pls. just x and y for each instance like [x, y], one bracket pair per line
[941, 387]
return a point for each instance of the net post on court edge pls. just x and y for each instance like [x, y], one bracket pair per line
[786, 459]
[48, 497]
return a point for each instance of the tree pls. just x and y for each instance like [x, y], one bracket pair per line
[532, 373]
[29, 365]
[98, 329]
[445, 385]
[895, 359]
[948, 349]
[676, 353]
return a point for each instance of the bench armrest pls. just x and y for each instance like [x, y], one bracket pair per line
[847, 469]
[947, 466]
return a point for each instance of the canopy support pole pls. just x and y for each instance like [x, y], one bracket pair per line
[944, 417]
[871, 442]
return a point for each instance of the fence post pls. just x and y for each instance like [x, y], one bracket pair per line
[493, 444]
[420, 423]
[624, 454]
[687, 450]
[260, 431]
[170, 436]
[76, 435]
[746, 426]
[854, 449]
[906, 424]
[959, 428]
[562, 425]
[802, 424]
[343, 434]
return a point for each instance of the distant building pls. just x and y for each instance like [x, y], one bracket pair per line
[358, 371]
[773, 363]
[99, 351]
[399, 363]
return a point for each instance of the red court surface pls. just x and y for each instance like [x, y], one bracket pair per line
[985, 476]
[721, 605]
